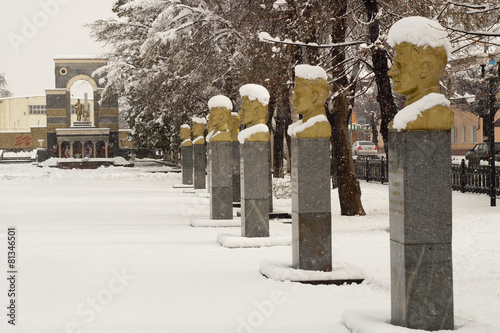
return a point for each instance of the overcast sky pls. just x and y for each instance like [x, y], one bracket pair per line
[34, 32]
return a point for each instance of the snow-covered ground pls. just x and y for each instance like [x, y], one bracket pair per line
[111, 250]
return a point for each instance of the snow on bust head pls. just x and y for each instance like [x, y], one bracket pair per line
[419, 31]
[199, 120]
[255, 92]
[309, 72]
[220, 101]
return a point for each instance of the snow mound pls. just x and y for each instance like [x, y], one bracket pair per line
[220, 101]
[199, 120]
[185, 126]
[282, 272]
[419, 31]
[299, 126]
[208, 223]
[377, 321]
[309, 72]
[255, 92]
[411, 112]
[237, 241]
[235, 114]
[248, 132]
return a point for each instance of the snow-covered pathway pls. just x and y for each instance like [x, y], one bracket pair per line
[111, 250]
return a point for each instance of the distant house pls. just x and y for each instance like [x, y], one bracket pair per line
[23, 122]
[468, 130]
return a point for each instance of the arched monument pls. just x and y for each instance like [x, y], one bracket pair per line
[94, 132]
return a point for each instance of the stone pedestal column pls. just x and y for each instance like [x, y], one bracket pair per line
[254, 189]
[420, 229]
[187, 164]
[209, 167]
[270, 177]
[311, 206]
[235, 166]
[221, 181]
[200, 163]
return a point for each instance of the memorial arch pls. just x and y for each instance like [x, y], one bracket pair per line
[95, 129]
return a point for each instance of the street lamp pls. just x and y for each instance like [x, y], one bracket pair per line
[493, 79]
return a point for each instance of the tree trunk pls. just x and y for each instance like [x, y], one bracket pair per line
[388, 108]
[279, 136]
[348, 185]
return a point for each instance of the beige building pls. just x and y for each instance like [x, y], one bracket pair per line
[468, 130]
[23, 122]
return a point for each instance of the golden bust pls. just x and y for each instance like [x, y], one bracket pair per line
[308, 99]
[220, 115]
[199, 131]
[234, 126]
[254, 113]
[415, 73]
[185, 135]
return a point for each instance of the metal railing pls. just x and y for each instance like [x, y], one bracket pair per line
[474, 179]
[372, 169]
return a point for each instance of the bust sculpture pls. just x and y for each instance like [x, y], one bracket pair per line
[199, 130]
[185, 135]
[220, 115]
[308, 99]
[421, 53]
[254, 113]
[234, 126]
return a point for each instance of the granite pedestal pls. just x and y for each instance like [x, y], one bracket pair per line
[200, 163]
[311, 207]
[420, 229]
[187, 165]
[236, 171]
[270, 176]
[221, 181]
[209, 167]
[254, 189]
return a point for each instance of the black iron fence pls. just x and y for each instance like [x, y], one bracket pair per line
[465, 179]
[372, 169]
[473, 179]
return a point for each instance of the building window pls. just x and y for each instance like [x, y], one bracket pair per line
[37, 109]
[454, 136]
[473, 133]
[464, 134]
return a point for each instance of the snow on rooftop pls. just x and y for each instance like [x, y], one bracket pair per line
[419, 31]
[411, 112]
[81, 56]
[185, 126]
[309, 72]
[199, 120]
[220, 101]
[27, 96]
[255, 92]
